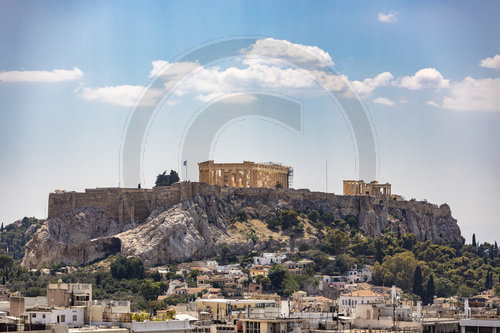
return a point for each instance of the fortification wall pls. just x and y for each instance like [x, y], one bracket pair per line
[120, 204]
[135, 205]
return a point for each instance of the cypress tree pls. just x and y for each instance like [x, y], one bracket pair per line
[418, 288]
[489, 280]
[429, 292]
[474, 240]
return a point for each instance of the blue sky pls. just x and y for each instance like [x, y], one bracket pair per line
[427, 72]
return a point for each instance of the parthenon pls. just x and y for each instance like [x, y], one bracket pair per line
[359, 187]
[246, 174]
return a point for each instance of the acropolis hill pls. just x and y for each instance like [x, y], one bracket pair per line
[192, 220]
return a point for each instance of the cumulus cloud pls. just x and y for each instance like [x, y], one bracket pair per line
[270, 50]
[232, 99]
[383, 101]
[366, 87]
[56, 75]
[124, 95]
[217, 80]
[474, 95]
[493, 63]
[387, 18]
[432, 103]
[424, 78]
[207, 83]
[172, 72]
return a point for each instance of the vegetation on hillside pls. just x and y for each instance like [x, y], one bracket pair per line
[14, 236]
[421, 269]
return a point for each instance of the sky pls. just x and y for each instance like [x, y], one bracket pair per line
[311, 85]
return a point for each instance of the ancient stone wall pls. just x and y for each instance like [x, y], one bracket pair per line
[135, 205]
[121, 204]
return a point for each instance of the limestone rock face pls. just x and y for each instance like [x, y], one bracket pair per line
[187, 231]
[76, 237]
[201, 225]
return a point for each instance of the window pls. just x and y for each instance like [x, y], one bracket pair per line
[43, 316]
[33, 315]
[253, 327]
[75, 318]
[63, 318]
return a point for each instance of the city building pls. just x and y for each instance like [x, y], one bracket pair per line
[349, 300]
[72, 317]
[268, 259]
[479, 325]
[285, 325]
[69, 294]
[108, 311]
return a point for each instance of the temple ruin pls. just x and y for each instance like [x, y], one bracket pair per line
[373, 189]
[246, 174]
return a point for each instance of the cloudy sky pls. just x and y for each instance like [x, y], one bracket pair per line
[74, 76]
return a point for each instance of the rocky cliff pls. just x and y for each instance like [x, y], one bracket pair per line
[199, 225]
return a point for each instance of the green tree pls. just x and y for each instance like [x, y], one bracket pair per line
[418, 288]
[327, 217]
[409, 241]
[289, 285]
[397, 269]
[379, 249]
[6, 263]
[127, 268]
[156, 276]
[149, 290]
[352, 221]
[241, 215]
[335, 241]
[288, 219]
[264, 280]
[277, 274]
[474, 244]
[489, 280]
[445, 287]
[164, 179]
[313, 215]
[429, 290]
[225, 254]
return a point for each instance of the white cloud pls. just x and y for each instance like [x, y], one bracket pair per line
[366, 87]
[265, 50]
[424, 78]
[387, 18]
[207, 83]
[217, 80]
[432, 103]
[233, 99]
[211, 82]
[403, 100]
[124, 95]
[56, 75]
[383, 101]
[474, 95]
[493, 63]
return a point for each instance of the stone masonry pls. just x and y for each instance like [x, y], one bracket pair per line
[246, 174]
[373, 189]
